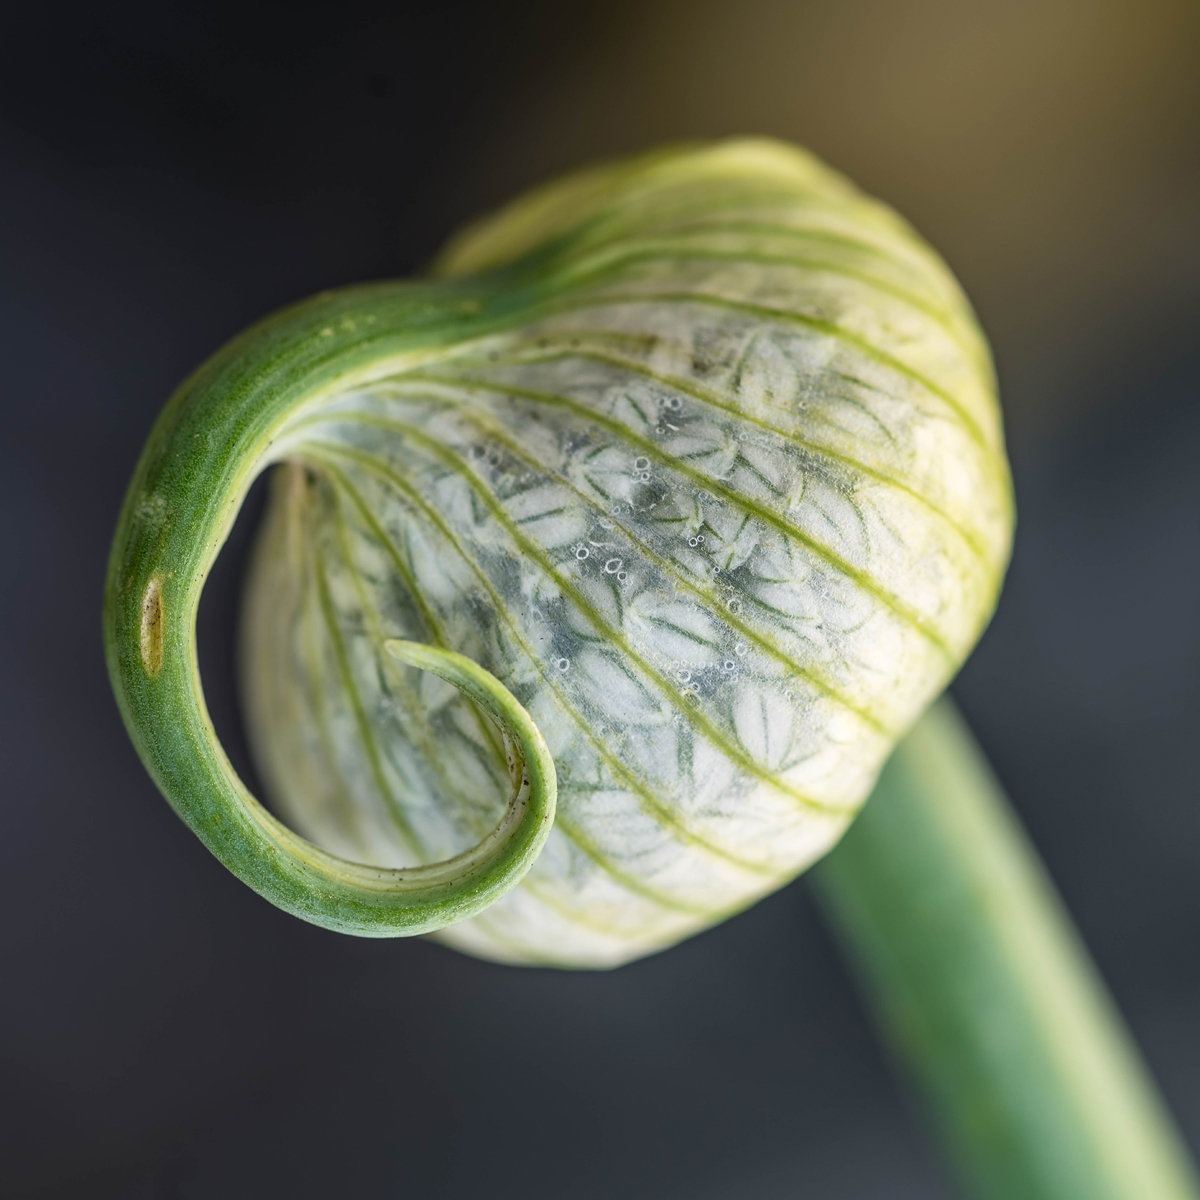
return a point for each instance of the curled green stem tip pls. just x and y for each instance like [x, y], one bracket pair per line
[155, 672]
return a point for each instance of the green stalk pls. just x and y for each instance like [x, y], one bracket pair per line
[223, 425]
[983, 989]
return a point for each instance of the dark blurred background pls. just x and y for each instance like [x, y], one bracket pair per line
[168, 173]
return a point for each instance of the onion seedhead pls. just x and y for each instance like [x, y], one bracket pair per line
[663, 509]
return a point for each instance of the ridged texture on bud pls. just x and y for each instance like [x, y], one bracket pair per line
[725, 509]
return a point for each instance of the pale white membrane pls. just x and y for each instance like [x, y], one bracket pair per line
[724, 527]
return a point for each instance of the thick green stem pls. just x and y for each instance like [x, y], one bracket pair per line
[984, 990]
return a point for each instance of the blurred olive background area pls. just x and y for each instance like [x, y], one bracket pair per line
[1049, 150]
[169, 173]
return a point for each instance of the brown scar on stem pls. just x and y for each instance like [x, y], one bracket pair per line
[152, 626]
